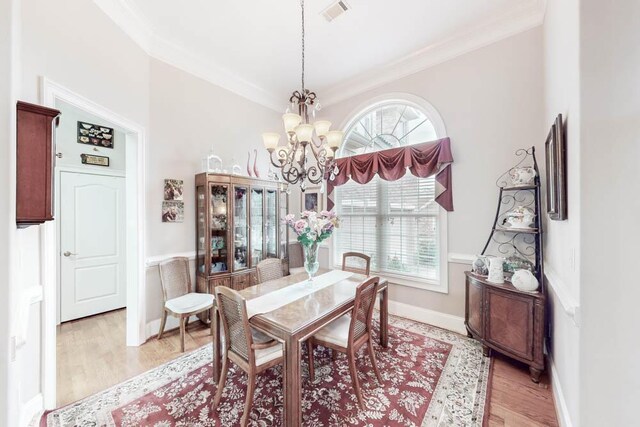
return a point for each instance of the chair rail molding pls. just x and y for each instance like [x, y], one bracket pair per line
[157, 259]
[569, 304]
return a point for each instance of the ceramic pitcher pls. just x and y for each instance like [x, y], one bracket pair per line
[495, 270]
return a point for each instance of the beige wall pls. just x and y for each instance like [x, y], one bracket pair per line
[562, 240]
[610, 188]
[491, 103]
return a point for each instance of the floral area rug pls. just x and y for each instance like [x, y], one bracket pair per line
[432, 377]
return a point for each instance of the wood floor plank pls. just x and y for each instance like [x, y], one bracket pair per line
[92, 356]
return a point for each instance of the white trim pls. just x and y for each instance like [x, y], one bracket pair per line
[30, 409]
[562, 411]
[127, 16]
[570, 306]
[502, 27]
[157, 259]
[135, 224]
[431, 317]
[457, 258]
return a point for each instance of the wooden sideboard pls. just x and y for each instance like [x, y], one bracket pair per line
[506, 320]
[35, 155]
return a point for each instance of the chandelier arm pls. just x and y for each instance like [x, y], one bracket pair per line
[277, 157]
[314, 175]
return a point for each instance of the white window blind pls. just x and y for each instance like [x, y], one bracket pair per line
[395, 223]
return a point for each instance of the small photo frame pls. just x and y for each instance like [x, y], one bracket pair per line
[173, 189]
[96, 135]
[311, 200]
[92, 159]
[172, 211]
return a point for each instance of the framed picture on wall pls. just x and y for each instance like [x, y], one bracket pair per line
[311, 200]
[172, 211]
[556, 165]
[97, 135]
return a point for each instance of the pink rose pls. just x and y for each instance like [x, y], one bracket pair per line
[300, 225]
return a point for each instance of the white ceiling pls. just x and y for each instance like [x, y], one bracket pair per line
[253, 48]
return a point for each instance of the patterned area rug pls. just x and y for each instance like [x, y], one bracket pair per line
[432, 377]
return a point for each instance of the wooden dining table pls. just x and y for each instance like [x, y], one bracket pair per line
[295, 322]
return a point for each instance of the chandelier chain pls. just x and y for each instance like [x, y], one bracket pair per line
[302, 8]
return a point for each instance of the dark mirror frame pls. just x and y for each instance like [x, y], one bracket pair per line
[556, 165]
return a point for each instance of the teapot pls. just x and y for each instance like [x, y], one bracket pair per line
[519, 217]
[522, 176]
[524, 280]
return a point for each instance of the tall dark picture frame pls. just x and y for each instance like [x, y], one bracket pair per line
[556, 162]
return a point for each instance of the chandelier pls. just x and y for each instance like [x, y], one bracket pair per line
[311, 147]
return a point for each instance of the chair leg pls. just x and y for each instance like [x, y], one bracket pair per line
[182, 330]
[354, 377]
[186, 322]
[223, 379]
[312, 372]
[251, 387]
[373, 360]
[162, 323]
[212, 322]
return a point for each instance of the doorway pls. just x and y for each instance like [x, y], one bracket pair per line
[125, 185]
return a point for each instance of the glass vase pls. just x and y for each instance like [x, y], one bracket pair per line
[311, 263]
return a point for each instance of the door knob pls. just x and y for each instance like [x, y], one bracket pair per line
[67, 253]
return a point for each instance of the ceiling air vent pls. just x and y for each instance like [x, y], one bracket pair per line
[335, 10]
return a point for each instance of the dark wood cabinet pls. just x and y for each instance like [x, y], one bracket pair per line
[506, 320]
[35, 155]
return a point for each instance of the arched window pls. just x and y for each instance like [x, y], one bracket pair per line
[397, 223]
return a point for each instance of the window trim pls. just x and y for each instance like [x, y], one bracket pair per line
[439, 286]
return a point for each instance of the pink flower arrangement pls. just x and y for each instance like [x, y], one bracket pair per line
[313, 227]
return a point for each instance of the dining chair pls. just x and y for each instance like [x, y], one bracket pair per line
[250, 349]
[178, 300]
[296, 258]
[269, 269]
[356, 262]
[347, 334]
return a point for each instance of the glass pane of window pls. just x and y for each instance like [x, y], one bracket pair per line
[395, 223]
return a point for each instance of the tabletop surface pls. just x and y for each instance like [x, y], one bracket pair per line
[299, 313]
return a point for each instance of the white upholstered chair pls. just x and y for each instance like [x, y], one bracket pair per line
[269, 269]
[250, 349]
[179, 300]
[348, 333]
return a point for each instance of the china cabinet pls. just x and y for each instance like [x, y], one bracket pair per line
[502, 317]
[237, 226]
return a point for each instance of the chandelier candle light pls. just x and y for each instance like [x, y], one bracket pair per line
[311, 229]
[304, 157]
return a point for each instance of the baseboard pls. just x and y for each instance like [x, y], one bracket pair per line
[562, 412]
[151, 329]
[431, 317]
[30, 409]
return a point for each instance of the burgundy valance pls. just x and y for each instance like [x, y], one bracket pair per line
[422, 160]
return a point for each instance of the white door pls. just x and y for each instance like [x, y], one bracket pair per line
[92, 244]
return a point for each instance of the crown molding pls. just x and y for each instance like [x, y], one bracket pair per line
[480, 36]
[127, 16]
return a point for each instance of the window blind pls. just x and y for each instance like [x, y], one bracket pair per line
[395, 223]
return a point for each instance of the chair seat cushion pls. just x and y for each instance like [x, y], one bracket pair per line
[189, 303]
[268, 354]
[336, 332]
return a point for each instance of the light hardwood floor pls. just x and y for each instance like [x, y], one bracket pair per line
[92, 356]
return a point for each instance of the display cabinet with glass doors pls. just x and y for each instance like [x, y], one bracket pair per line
[238, 224]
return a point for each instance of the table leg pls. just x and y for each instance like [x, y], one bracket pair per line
[215, 318]
[291, 384]
[384, 317]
